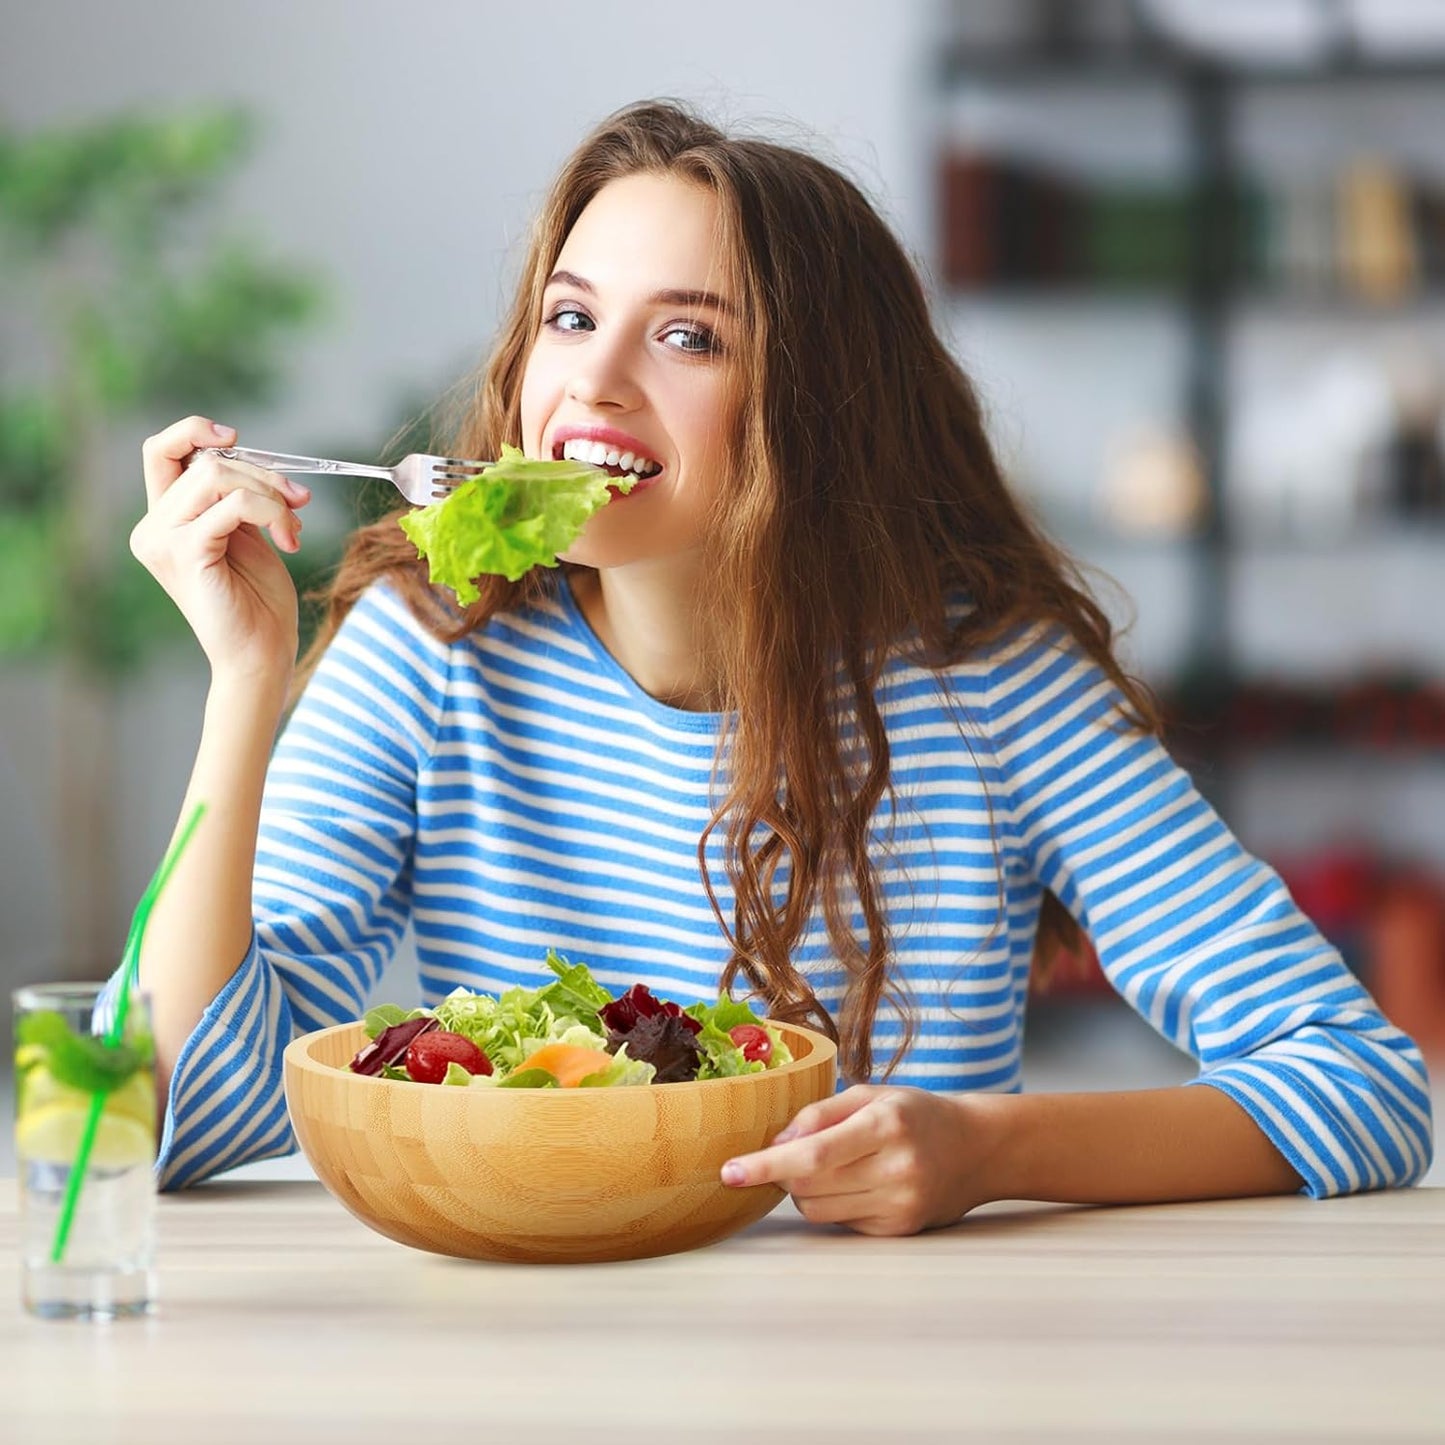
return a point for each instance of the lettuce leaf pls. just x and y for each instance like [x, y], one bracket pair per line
[385, 1016]
[500, 1027]
[624, 1070]
[723, 1059]
[725, 1014]
[781, 1054]
[517, 514]
[527, 1079]
[578, 1035]
[576, 993]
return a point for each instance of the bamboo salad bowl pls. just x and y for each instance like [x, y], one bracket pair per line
[543, 1175]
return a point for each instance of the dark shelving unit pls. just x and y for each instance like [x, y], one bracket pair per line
[1156, 61]
[1211, 295]
[1225, 723]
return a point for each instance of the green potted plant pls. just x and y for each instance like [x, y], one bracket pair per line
[125, 309]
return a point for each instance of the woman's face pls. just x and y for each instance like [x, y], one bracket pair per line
[633, 355]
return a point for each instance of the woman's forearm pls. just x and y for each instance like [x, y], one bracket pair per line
[200, 928]
[1146, 1146]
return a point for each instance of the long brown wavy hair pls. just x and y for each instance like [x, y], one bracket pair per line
[864, 500]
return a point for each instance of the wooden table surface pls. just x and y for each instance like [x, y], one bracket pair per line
[283, 1319]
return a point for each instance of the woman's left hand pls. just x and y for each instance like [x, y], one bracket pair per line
[879, 1159]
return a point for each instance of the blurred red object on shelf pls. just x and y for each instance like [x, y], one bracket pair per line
[1382, 713]
[1335, 888]
[1070, 969]
[1405, 945]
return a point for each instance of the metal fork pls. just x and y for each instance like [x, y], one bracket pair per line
[419, 477]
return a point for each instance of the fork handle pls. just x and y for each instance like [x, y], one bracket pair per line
[285, 462]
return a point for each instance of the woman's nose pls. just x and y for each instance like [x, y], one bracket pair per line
[602, 376]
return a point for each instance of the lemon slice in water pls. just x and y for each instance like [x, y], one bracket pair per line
[51, 1134]
[136, 1097]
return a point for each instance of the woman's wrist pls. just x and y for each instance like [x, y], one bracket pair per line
[1134, 1147]
[1033, 1146]
[996, 1144]
[1056, 1147]
[250, 692]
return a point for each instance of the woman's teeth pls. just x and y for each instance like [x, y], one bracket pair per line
[599, 454]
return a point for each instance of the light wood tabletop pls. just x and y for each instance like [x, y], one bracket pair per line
[283, 1319]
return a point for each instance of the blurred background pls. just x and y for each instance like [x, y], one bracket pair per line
[1192, 251]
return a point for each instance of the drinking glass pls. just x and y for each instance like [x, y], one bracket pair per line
[103, 1268]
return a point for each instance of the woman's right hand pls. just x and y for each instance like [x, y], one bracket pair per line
[202, 538]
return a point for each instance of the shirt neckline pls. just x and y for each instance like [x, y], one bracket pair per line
[701, 722]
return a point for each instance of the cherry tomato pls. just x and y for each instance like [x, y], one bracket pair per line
[753, 1040]
[430, 1053]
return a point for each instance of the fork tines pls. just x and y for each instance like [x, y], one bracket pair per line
[448, 473]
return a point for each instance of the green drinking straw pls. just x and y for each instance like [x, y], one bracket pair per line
[129, 967]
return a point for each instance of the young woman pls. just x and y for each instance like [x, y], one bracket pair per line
[814, 710]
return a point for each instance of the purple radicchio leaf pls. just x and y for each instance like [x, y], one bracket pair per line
[390, 1045]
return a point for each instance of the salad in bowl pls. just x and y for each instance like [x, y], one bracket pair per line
[570, 1033]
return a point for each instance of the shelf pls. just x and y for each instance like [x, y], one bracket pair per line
[1232, 606]
[1375, 718]
[1352, 308]
[1398, 543]
[1404, 542]
[961, 62]
[1295, 303]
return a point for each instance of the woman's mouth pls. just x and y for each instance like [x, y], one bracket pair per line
[616, 462]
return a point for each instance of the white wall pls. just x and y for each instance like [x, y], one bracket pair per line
[404, 146]
[402, 150]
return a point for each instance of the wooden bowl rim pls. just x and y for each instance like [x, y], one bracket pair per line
[298, 1055]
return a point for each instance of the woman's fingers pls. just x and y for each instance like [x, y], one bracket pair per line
[821, 1136]
[827, 1112]
[209, 530]
[209, 478]
[804, 1157]
[843, 1206]
[204, 539]
[164, 545]
[199, 499]
[164, 455]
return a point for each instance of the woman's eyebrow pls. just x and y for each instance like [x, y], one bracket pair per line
[670, 297]
[695, 298]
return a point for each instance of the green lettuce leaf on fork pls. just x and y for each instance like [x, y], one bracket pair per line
[517, 514]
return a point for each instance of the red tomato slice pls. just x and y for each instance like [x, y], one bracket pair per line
[753, 1040]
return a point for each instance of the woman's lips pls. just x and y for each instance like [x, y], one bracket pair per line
[609, 436]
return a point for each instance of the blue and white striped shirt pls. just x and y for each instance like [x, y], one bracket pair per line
[517, 791]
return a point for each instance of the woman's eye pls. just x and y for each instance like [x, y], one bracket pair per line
[569, 318]
[696, 339]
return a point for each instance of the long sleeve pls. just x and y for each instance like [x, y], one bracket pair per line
[1201, 938]
[331, 892]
